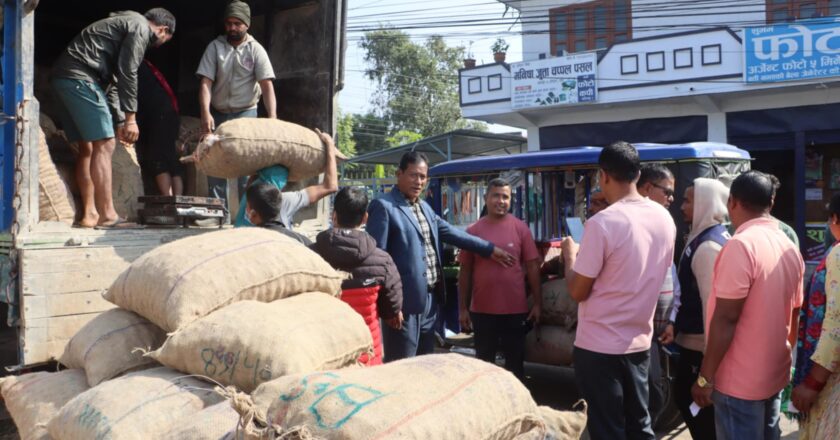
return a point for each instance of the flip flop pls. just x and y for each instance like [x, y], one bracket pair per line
[81, 226]
[119, 224]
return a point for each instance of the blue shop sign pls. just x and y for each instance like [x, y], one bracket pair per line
[792, 52]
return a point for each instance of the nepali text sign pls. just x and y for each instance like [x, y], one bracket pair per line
[791, 52]
[554, 81]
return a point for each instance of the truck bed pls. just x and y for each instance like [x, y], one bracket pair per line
[65, 271]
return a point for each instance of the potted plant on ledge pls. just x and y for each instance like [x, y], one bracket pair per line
[469, 59]
[499, 49]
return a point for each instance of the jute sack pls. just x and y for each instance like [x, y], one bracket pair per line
[442, 396]
[34, 399]
[249, 342]
[141, 405]
[55, 202]
[126, 181]
[242, 147]
[184, 280]
[564, 425]
[558, 307]
[217, 422]
[550, 345]
[105, 346]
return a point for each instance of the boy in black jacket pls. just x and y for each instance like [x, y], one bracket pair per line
[348, 248]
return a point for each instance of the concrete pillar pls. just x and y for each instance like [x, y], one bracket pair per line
[533, 139]
[717, 128]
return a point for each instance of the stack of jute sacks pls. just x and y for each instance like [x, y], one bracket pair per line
[233, 308]
[552, 342]
[254, 344]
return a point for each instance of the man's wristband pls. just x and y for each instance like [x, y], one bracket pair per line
[813, 384]
[130, 122]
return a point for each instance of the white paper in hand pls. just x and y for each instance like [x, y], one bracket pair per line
[694, 408]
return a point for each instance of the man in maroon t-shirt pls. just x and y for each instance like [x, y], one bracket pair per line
[492, 298]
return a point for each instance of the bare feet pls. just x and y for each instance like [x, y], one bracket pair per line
[89, 221]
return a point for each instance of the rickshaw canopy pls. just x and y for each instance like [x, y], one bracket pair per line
[587, 156]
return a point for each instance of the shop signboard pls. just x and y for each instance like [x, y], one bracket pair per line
[555, 81]
[813, 247]
[792, 52]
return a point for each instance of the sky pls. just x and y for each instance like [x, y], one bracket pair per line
[355, 98]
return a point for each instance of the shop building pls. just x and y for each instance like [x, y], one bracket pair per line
[761, 75]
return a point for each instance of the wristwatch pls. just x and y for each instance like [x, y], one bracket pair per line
[702, 382]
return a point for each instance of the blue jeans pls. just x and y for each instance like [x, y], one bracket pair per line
[738, 419]
[415, 338]
[216, 186]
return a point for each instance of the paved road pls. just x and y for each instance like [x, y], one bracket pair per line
[555, 386]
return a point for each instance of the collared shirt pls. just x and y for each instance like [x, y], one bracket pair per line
[431, 254]
[629, 261]
[762, 266]
[235, 72]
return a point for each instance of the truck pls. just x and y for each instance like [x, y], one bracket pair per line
[52, 276]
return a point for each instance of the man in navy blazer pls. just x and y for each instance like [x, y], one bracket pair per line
[409, 230]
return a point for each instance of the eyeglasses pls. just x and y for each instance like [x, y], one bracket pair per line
[668, 191]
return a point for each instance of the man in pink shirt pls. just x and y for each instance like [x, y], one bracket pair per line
[752, 317]
[492, 297]
[616, 276]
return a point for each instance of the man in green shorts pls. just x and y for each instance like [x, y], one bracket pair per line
[104, 57]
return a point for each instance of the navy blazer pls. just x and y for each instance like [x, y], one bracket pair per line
[393, 225]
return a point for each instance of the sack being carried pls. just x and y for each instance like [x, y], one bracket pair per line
[179, 282]
[105, 346]
[426, 397]
[249, 342]
[141, 405]
[34, 399]
[243, 146]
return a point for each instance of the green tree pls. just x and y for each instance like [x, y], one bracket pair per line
[344, 140]
[403, 137]
[370, 131]
[418, 83]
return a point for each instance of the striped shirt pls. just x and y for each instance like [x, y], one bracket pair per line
[431, 254]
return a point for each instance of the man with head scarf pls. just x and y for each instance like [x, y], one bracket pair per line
[704, 207]
[234, 72]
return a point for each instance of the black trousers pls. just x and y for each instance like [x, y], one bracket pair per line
[657, 394]
[701, 427]
[616, 388]
[501, 332]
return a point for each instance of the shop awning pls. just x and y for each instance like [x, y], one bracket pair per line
[456, 144]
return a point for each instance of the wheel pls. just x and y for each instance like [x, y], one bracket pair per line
[670, 416]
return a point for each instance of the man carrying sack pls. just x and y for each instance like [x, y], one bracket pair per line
[234, 71]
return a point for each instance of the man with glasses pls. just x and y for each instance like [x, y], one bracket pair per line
[408, 229]
[656, 182]
[103, 60]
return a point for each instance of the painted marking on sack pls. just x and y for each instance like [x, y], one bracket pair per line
[348, 398]
[220, 362]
